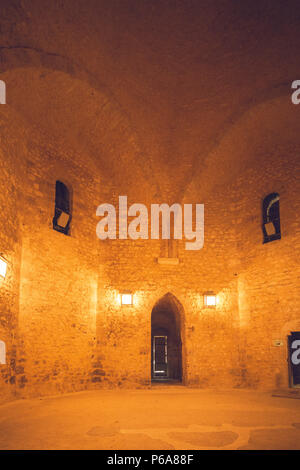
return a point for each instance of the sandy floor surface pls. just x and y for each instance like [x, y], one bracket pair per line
[163, 417]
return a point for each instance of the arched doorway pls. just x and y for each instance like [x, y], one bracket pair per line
[166, 342]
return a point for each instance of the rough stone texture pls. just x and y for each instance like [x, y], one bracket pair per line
[163, 102]
[58, 318]
[10, 243]
[165, 417]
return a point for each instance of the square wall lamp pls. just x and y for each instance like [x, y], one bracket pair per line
[210, 299]
[126, 298]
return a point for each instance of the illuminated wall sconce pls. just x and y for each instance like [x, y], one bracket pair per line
[126, 298]
[3, 267]
[210, 299]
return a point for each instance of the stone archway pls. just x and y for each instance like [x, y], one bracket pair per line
[166, 340]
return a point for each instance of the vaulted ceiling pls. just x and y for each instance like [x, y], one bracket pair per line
[149, 89]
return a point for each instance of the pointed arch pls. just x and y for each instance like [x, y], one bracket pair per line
[167, 340]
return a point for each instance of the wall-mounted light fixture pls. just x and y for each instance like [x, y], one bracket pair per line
[210, 299]
[3, 267]
[126, 298]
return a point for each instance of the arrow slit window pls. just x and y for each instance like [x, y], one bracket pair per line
[62, 213]
[271, 218]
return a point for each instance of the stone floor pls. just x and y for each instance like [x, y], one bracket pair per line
[164, 417]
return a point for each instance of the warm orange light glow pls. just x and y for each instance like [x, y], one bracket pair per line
[3, 267]
[126, 299]
[210, 300]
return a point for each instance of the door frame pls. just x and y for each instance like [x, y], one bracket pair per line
[157, 374]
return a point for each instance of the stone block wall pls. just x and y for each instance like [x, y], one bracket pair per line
[10, 250]
[59, 276]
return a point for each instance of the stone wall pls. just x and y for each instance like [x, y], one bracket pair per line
[267, 274]
[160, 105]
[210, 336]
[10, 250]
[59, 275]
[61, 315]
